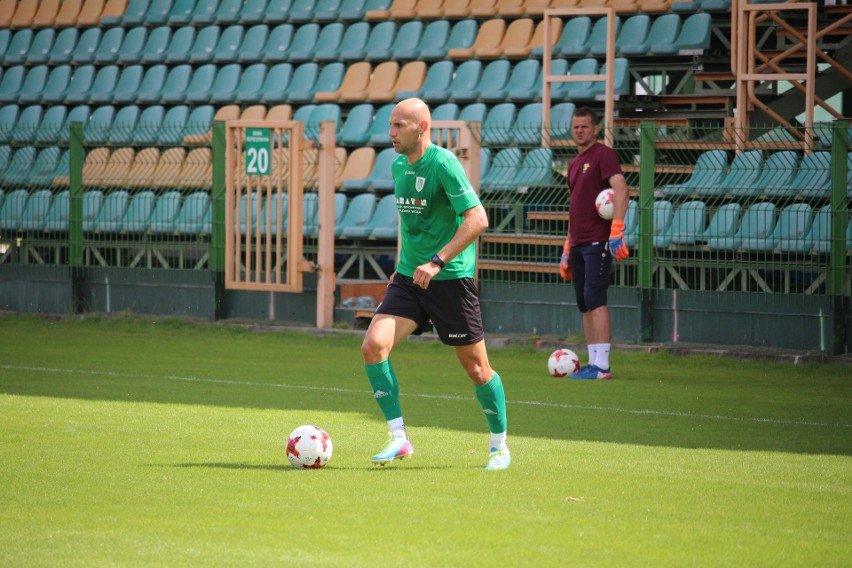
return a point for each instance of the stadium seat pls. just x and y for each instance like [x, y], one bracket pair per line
[277, 43]
[356, 127]
[723, 227]
[224, 85]
[406, 40]
[357, 169]
[743, 175]
[536, 170]
[578, 89]
[63, 46]
[497, 127]
[438, 77]
[709, 171]
[227, 48]
[382, 224]
[489, 36]
[227, 112]
[13, 209]
[28, 122]
[794, 224]
[68, 14]
[379, 178]
[33, 85]
[57, 216]
[103, 85]
[112, 210]
[161, 46]
[466, 79]
[168, 168]
[139, 211]
[654, 6]
[321, 112]
[330, 78]
[693, 38]
[98, 127]
[301, 11]
[343, 41]
[777, 171]
[19, 47]
[253, 112]
[631, 223]
[34, 213]
[113, 12]
[205, 43]
[151, 87]
[596, 42]
[526, 129]
[56, 84]
[354, 83]
[688, 223]
[516, 36]
[180, 12]
[716, 5]
[86, 47]
[504, 166]
[310, 208]
[132, 45]
[92, 201]
[178, 80]
[199, 121]
[143, 168]
[127, 85]
[134, 14]
[199, 88]
[45, 15]
[196, 170]
[24, 14]
[148, 125]
[380, 40]
[93, 167]
[379, 128]
[165, 212]
[495, 76]
[632, 38]
[157, 13]
[304, 43]
[204, 12]
[436, 33]
[190, 217]
[664, 32]
[575, 33]
[109, 46]
[410, 78]
[686, 7]
[253, 45]
[8, 120]
[358, 213]
[462, 35]
[757, 229]
[251, 82]
[39, 51]
[522, 79]
[45, 166]
[820, 235]
[454, 9]
[662, 221]
[173, 125]
[523, 51]
[18, 170]
[80, 84]
[813, 179]
[522, 90]
[280, 78]
[327, 10]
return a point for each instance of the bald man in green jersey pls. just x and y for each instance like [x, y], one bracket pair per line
[440, 218]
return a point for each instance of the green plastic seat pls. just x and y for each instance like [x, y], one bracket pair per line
[173, 125]
[777, 172]
[112, 211]
[465, 80]
[157, 13]
[177, 82]
[327, 47]
[327, 111]
[151, 119]
[103, 85]
[156, 45]
[228, 11]
[304, 43]
[39, 51]
[495, 76]
[134, 14]
[709, 171]
[575, 33]
[93, 199]
[49, 131]
[138, 212]
[45, 164]
[278, 11]
[497, 127]
[204, 12]
[205, 42]
[132, 45]
[181, 12]
[329, 79]
[438, 78]
[354, 39]
[818, 239]
[662, 222]
[279, 40]
[743, 175]
[301, 11]
[199, 87]
[110, 46]
[299, 87]
[633, 34]
[13, 209]
[435, 33]
[180, 45]
[461, 36]
[379, 128]
[8, 120]
[80, 84]
[688, 223]
[405, 44]
[383, 224]
[63, 46]
[19, 47]
[33, 216]
[327, 11]
[59, 213]
[254, 42]
[227, 49]
[355, 129]
[98, 127]
[794, 224]
[358, 213]
[723, 224]
[28, 122]
[11, 82]
[165, 213]
[536, 170]
[693, 38]
[87, 46]
[33, 84]
[151, 87]
[526, 129]
[253, 77]
[381, 38]
[278, 79]
[224, 85]
[756, 229]
[190, 217]
[813, 180]
[525, 77]
[596, 44]
[504, 166]
[126, 119]
[56, 84]
[664, 31]
[199, 121]
[80, 114]
[128, 84]
[631, 223]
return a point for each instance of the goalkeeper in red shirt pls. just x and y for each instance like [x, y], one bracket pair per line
[592, 241]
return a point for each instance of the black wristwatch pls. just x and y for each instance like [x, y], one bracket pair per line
[437, 260]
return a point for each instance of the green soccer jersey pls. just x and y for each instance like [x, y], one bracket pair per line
[431, 195]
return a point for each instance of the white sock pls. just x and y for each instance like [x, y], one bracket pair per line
[499, 441]
[602, 357]
[397, 426]
[593, 352]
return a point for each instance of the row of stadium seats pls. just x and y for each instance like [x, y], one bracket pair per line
[793, 228]
[364, 216]
[750, 175]
[581, 36]
[53, 13]
[470, 81]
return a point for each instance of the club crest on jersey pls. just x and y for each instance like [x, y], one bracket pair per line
[419, 183]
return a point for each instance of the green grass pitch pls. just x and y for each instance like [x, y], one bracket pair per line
[134, 442]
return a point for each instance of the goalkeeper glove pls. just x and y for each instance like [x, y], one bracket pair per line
[617, 246]
[565, 262]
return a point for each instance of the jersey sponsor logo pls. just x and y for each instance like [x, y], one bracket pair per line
[420, 183]
[586, 166]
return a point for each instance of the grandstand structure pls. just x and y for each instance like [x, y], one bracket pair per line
[119, 189]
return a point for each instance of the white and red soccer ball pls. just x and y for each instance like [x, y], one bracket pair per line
[563, 362]
[605, 204]
[309, 447]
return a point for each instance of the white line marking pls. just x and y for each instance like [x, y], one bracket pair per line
[435, 396]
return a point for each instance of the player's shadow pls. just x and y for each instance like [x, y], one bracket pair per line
[289, 468]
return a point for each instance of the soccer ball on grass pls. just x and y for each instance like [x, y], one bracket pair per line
[309, 447]
[563, 362]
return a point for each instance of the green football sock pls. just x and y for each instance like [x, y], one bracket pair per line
[385, 388]
[493, 401]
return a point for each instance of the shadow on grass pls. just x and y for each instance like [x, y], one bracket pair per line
[288, 468]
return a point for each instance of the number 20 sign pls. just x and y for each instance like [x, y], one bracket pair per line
[257, 151]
